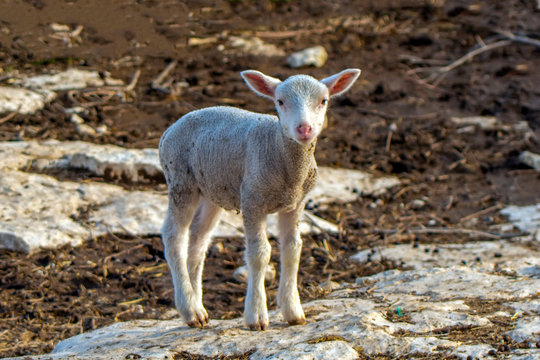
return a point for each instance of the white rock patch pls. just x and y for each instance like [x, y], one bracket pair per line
[22, 101]
[114, 209]
[485, 255]
[351, 320]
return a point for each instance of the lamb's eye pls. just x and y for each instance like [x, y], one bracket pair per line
[280, 102]
[324, 101]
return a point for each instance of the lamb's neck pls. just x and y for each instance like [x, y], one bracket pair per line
[299, 159]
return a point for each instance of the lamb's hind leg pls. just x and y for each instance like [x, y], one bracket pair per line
[290, 248]
[182, 203]
[205, 219]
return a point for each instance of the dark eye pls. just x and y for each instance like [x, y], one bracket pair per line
[280, 102]
[324, 101]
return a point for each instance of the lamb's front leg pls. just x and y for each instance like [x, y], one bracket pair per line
[257, 258]
[290, 248]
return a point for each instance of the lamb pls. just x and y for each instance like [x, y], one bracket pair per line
[227, 158]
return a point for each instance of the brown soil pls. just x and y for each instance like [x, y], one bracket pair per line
[51, 295]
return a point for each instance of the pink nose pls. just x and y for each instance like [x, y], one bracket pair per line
[304, 130]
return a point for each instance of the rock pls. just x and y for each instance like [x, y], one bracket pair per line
[254, 46]
[330, 285]
[483, 122]
[487, 123]
[418, 204]
[68, 80]
[120, 211]
[312, 56]
[22, 101]
[41, 89]
[346, 185]
[351, 323]
[76, 119]
[526, 218]
[241, 273]
[218, 247]
[441, 284]
[530, 159]
[476, 254]
[526, 330]
[39, 211]
[85, 129]
[195, 41]
[138, 165]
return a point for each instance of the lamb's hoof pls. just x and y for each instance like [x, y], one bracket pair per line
[199, 319]
[299, 321]
[197, 323]
[260, 326]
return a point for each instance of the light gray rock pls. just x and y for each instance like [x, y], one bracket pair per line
[136, 165]
[241, 273]
[530, 159]
[254, 46]
[439, 284]
[526, 330]
[85, 129]
[345, 185]
[313, 56]
[487, 256]
[39, 211]
[119, 211]
[22, 101]
[33, 92]
[350, 320]
[68, 80]
[526, 218]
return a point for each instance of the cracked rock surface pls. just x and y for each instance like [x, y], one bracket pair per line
[40, 211]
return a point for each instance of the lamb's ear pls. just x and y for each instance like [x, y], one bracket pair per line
[339, 83]
[261, 84]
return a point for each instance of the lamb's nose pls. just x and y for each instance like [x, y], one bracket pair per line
[304, 129]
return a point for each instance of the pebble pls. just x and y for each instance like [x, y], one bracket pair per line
[84, 129]
[313, 56]
[241, 273]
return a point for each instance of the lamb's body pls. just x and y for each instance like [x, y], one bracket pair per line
[226, 158]
[217, 151]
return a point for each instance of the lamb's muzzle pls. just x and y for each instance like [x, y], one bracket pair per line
[227, 158]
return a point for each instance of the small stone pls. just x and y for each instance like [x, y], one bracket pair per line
[241, 273]
[255, 46]
[313, 56]
[218, 247]
[75, 110]
[418, 204]
[76, 119]
[330, 285]
[84, 129]
[530, 159]
[483, 122]
[102, 129]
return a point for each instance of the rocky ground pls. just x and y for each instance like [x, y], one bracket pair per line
[451, 132]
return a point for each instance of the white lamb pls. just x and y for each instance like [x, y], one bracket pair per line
[227, 158]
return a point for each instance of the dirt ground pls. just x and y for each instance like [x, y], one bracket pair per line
[396, 120]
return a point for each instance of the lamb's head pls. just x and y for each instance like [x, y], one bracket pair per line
[301, 101]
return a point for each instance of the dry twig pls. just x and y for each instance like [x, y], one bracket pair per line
[161, 82]
[470, 232]
[436, 74]
[8, 117]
